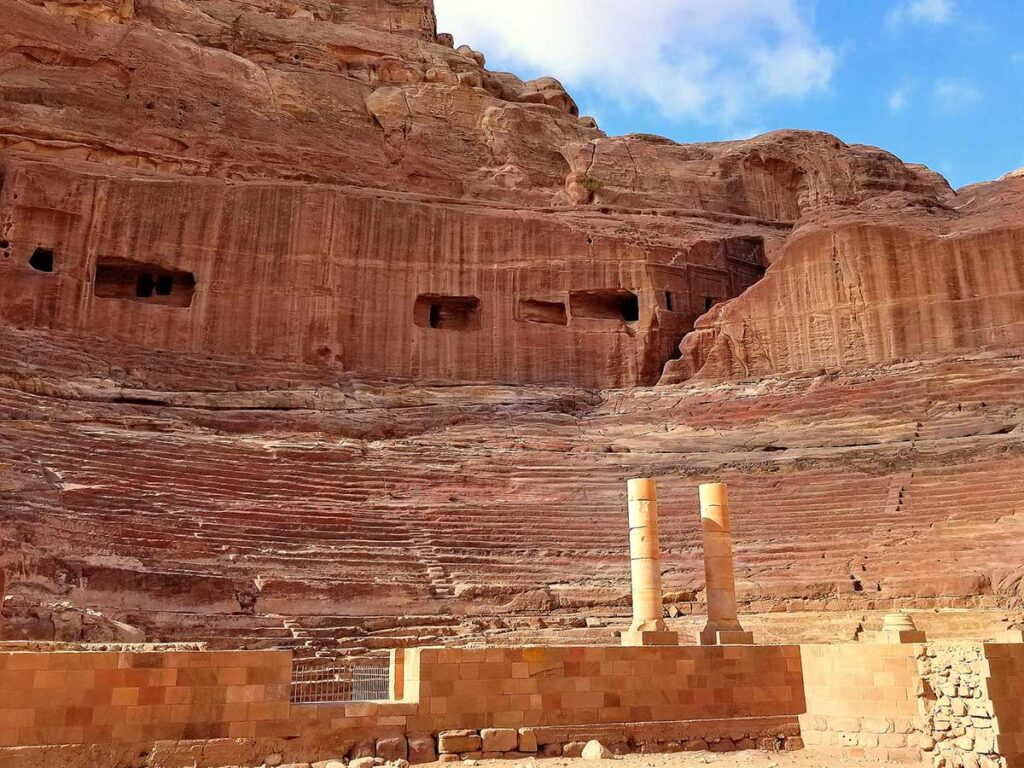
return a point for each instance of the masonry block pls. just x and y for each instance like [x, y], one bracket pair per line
[459, 741]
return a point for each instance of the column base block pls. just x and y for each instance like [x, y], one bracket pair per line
[726, 637]
[648, 637]
[900, 636]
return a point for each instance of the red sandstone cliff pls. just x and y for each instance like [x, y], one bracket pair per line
[890, 281]
[247, 250]
[270, 174]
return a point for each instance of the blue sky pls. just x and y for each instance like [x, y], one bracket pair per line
[939, 82]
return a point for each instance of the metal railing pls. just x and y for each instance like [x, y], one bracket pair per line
[324, 681]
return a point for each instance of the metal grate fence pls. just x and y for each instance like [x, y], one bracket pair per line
[323, 681]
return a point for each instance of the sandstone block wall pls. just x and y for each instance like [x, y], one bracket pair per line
[111, 697]
[948, 704]
[730, 696]
[1003, 687]
[861, 700]
[956, 704]
[512, 687]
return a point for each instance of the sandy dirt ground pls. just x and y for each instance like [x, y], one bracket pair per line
[745, 759]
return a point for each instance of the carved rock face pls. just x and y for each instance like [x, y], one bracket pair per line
[318, 167]
[297, 294]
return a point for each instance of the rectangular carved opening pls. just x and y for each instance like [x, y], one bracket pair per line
[148, 283]
[614, 304]
[536, 311]
[447, 313]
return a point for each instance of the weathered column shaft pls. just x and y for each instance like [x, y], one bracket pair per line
[644, 554]
[720, 580]
[648, 627]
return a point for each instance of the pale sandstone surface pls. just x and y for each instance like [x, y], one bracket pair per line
[418, 310]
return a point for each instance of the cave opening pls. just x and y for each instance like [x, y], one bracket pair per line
[163, 285]
[147, 283]
[613, 304]
[547, 312]
[447, 313]
[41, 260]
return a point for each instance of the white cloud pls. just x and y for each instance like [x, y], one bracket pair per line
[899, 100]
[954, 95]
[743, 133]
[716, 62]
[921, 12]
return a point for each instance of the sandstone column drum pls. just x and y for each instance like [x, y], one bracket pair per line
[648, 627]
[723, 628]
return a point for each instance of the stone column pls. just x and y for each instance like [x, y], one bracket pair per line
[723, 628]
[648, 627]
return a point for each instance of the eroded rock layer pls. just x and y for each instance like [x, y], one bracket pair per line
[310, 321]
[869, 287]
[269, 497]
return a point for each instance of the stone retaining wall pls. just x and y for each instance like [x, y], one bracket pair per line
[210, 708]
[861, 701]
[551, 686]
[138, 697]
[956, 704]
[951, 704]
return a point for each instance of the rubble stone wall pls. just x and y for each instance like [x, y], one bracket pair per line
[958, 717]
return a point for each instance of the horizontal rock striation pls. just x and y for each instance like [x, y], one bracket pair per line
[276, 509]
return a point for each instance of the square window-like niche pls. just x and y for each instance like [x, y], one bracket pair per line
[613, 304]
[149, 283]
[447, 313]
[547, 312]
